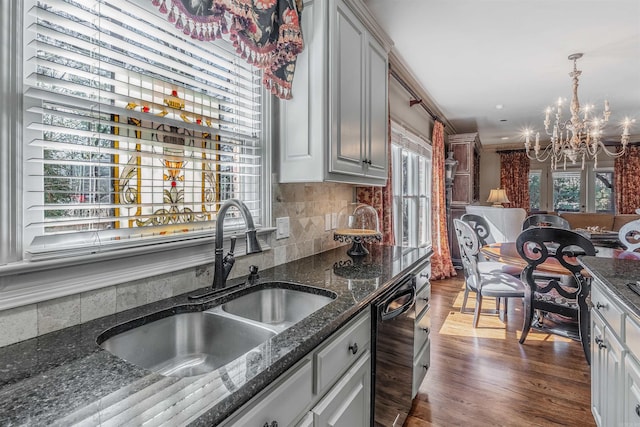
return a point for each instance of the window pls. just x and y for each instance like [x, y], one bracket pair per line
[603, 187]
[534, 190]
[566, 191]
[134, 133]
[411, 168]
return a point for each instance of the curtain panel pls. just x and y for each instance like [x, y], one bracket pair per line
[441, 265]
[514, 178]
[627, 181]
[266, 33]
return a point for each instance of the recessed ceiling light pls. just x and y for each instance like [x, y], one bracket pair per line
[499, 107]
[503, 120]
[504, 137]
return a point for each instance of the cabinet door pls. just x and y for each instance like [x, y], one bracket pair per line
[348, 85]
[303, 118]
[377, 116]
[631, 410]
[348, 404]
[598, 369]
[606, 373]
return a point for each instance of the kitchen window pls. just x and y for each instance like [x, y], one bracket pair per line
[135, 133]
[411, 182]
[119, 140]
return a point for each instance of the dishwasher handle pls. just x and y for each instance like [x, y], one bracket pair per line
[392, 314]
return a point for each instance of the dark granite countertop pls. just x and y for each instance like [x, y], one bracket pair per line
[64, 378]
[615, 273]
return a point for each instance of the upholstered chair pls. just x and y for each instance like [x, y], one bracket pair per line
[496, 285]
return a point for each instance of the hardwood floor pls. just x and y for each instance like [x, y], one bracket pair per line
[484, 377]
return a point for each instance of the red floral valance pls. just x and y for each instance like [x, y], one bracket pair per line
[264, 32]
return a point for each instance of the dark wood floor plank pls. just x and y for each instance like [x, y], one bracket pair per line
[484, 377]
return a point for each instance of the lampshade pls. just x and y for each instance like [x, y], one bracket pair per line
[497, 196]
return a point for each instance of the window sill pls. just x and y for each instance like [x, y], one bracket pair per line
[24, 283]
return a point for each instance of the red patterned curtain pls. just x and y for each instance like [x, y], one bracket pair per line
[381, 198]
[441, 265]
[266, 33]
[627, 181]
[514, 178]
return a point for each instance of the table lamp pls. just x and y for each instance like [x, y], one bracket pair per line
[497, 196]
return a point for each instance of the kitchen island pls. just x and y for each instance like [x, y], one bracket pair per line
[65, 378]
[615, 340]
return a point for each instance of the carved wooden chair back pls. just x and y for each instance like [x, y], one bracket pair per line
[629, 235]
[538, 245]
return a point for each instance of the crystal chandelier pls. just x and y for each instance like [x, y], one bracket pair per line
[579, 136]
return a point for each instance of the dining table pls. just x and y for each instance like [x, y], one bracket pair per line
[507, 253]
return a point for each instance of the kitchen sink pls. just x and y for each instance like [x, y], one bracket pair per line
[187, 344]
[194, 343]
[277, 307]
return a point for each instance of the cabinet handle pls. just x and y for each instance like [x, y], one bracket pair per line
[426, 330]
[354, 348]
[426, 368]
[599, 305]
[273, 424]
[638, 410]
[425, 299]
[425, 275]
[600, 342]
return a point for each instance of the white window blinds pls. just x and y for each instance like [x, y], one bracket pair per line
[135, 133]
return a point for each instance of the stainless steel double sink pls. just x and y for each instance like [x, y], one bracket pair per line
[194, 343]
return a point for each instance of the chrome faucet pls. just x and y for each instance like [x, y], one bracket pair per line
[223, 264]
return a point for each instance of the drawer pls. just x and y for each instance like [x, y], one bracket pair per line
[282, 404]
[607, 309]
[421, 332]
[339, 353]
[423, 276]
[422, 298]
[420, 367]
[632, 336]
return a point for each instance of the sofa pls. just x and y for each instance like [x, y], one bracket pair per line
[605, 221]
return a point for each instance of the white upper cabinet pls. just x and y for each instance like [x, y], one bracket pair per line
[335, 127]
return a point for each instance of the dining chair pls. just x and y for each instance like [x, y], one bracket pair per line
[537, 220]
[496, 285]
[482, 230]
[540, 245]
[629, 235]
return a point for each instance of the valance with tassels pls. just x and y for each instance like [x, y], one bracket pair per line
[264, 32]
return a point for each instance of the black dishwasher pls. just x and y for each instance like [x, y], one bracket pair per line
[392, 375]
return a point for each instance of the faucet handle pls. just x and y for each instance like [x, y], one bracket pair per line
[253, 269]
[233, 244]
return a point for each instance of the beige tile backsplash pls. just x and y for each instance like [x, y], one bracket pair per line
[304, 204]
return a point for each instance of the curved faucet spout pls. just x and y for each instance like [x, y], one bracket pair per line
[222, 268]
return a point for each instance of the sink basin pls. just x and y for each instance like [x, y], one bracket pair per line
[187, 344]
[276, 306]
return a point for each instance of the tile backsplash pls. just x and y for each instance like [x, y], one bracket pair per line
[304, 204]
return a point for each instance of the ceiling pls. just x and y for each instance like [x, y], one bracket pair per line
[472, 56]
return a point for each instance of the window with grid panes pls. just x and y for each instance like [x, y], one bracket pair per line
[411, 185]
[134, 133]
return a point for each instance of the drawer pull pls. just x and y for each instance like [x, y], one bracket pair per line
[600, 342]
[600, 305]
[273, 424]
[354, 348]
[426, 368]
[424, 275]
[638, 410]
[426, 330]
[425, 299]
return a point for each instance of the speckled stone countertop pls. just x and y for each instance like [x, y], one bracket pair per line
[64, 378]
[615, 273]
